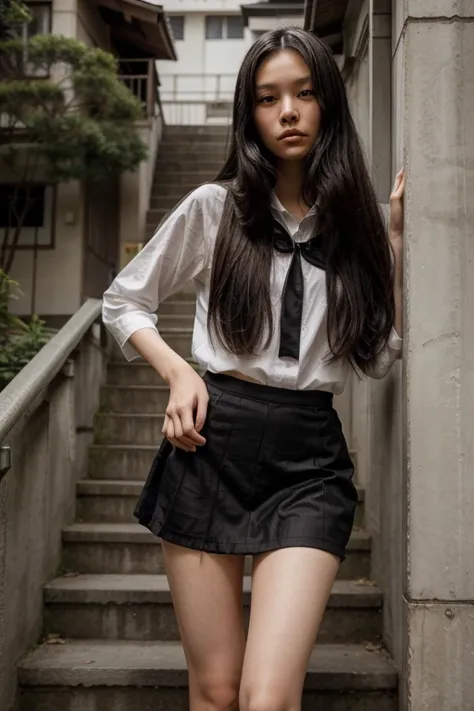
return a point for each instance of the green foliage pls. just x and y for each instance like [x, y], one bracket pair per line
[13, 14]
[19, 341]
[74, 115]
[79, 117]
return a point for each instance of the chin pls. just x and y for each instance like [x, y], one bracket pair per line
[292, 153]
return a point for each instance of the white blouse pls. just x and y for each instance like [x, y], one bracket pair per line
[181, 250]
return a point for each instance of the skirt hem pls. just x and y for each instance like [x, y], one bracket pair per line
[248, 548]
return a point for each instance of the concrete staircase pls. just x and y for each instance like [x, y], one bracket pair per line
[110, 634]
[188, 157]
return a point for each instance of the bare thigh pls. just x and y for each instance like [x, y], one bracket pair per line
[290, 591]
[207, 598]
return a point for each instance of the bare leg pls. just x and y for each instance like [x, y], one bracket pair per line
[290, 591]
[207, 598]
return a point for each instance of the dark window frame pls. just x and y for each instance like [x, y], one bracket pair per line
[51, 244]
[224, 27]
[179, 35]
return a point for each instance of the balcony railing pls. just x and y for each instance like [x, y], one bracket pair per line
[197, 98]
[141, 77]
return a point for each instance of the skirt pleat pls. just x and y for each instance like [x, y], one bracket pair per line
[275, 472]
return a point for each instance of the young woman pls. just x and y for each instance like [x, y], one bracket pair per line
[297, 284]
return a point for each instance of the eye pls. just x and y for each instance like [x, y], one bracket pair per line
[266, 99]
[306, 93]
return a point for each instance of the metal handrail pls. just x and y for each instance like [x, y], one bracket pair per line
[25, 387]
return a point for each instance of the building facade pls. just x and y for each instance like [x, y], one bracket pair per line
[81, 228]
[409, 71]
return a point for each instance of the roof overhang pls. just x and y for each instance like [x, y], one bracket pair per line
[138, 24]
[272, 9]
[325, 18]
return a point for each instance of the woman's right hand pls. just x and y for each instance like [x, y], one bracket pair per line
[186, 411]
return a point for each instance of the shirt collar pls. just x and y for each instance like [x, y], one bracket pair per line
[276, 205]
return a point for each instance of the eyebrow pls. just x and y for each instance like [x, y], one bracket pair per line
[297, 82]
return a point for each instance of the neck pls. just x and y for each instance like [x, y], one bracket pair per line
[289, 185]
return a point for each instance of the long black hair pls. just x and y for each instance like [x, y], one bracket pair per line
[359, 264]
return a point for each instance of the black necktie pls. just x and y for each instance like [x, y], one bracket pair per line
[293, 290]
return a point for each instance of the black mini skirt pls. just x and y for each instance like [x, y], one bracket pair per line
[275, 472]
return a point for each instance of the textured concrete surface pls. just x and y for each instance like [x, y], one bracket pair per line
[115, 663]
[439, 9]
[139, 607]
[37, 499]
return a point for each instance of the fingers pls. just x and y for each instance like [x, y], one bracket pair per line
[179, 427]
[399, 186]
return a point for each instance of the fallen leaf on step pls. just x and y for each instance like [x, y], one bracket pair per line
[366, 581]
[373, 647]
[55, 639]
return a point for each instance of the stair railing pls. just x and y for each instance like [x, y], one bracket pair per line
[46, 427]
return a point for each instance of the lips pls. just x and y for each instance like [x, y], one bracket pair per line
[291, 134]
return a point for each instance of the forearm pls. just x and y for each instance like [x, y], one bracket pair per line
[150, 345]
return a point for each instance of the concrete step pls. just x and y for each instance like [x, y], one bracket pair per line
[152, 676]
[134, 399]
[136, 372]
[174, 187]
[175, 320]
[195, 130]
[194, 175]
[126, 428]
[128, 548]
[180, 308]
[120, 462]
[113, 500]
[195, 152]
[170, 163]
[139, 607]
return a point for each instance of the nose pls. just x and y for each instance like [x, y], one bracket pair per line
[289, 114]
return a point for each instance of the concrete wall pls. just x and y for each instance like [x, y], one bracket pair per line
[419, 431]
[135, 189]
[59, 270]
[37, 498]
[375, 416]
[438, 51]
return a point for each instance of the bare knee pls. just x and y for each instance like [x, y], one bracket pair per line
[265, 700]
[214, 695]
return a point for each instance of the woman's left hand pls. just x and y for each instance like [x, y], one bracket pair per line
[397, 212]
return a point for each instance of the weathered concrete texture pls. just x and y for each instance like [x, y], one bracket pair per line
[438, 8]
[439, 331]
[139, 607]
[115, 461]
[440, 657]
[130, 548]
[37, 499]
[95, 663]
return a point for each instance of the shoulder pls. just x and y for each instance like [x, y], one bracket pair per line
[207, 200]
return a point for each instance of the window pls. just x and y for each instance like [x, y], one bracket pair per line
[224, 27]
[33, 206]
[214, 27]
[235, 27]
[177, 26]
[40, 24]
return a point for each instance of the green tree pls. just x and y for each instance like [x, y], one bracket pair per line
[64, 115]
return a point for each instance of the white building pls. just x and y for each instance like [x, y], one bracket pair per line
[212, 37]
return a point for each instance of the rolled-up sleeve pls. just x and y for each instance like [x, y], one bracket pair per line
[387, 357]
[178, 252]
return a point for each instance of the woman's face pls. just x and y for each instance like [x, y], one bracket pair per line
[287, 115]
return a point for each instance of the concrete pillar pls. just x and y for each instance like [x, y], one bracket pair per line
[436, 43]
